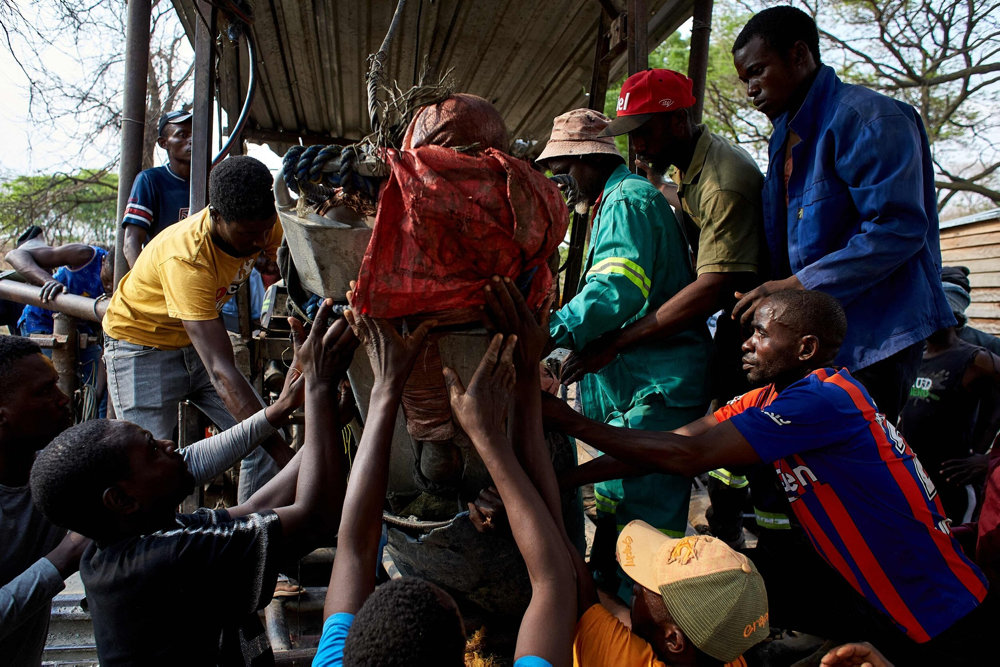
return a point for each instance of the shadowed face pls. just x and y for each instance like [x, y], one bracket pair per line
[158, 476]
[176, 140]
[773, 82]
[34, 409]
[245, 237]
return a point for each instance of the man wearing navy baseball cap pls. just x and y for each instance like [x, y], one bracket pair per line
[160, 196]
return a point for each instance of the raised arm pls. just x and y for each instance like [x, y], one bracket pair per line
[547, 626]
[319, 486]
[392, 356]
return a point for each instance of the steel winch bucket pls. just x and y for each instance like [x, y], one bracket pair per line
[326, 250]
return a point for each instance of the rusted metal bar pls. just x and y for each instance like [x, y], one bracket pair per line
[698, 56]
[204, 94]
[638, 50]
[80, 307]
[64, 356]
[133, 115]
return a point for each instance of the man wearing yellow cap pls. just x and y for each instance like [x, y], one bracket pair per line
[695, 602]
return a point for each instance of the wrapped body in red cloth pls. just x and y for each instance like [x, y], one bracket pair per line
[455, 211]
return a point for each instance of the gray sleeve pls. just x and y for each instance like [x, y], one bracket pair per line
[207, 458]
[27, 594]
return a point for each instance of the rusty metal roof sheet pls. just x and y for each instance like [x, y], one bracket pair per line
[532, 58]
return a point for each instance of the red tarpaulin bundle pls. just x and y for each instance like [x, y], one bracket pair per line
[447, 220]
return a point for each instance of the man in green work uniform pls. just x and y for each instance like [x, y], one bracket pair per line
[638, 260]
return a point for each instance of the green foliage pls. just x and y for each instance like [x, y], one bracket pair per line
[78, 207]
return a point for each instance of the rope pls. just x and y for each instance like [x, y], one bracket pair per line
[377, 63]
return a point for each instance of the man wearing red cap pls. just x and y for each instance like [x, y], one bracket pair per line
[719, 191]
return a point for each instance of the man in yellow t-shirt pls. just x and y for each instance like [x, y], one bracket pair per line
[165, 341]
[695, 602]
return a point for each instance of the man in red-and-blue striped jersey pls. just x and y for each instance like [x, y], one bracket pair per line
[868, 507]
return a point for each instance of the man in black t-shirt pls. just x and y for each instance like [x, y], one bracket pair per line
[150, 567]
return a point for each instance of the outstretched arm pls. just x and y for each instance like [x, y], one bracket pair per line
[510, 314]
[547, 626]
[353, 577]
[717, 446]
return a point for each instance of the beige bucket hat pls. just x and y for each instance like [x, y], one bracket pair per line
[575, 133]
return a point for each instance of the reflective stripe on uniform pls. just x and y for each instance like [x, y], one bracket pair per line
[729, 479]
[604, 504]
[772, 520]
[625, 267]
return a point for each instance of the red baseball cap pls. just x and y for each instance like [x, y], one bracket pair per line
[646, 93]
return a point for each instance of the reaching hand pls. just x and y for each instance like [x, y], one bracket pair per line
[487, 511]
[855, 655]
[960, 472]
[392, 356]
[326, 352]
[510, 315]
[590, 359]
[50, 288]
[482, 408]
[749, 301]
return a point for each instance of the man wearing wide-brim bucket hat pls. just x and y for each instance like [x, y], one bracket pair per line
[638, 260]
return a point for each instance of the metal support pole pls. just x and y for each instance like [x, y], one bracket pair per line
[133, 115]
[64, 356]
[637, 49]
[80, 307]
[204, 94]
[698, 57]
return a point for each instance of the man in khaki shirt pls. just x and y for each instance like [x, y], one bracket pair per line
[720, 194]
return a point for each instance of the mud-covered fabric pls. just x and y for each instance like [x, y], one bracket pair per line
[448, 221]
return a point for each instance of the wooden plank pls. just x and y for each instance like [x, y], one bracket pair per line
[974, 228]
[990, 326]
[986, 294]
[984, 279]
[969, 240]
[981, 265]
[975, 252]
[984, 310]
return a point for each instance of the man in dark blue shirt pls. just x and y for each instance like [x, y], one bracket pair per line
[160, 196]
[849, 203]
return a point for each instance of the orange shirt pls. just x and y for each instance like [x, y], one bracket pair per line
[601, 639]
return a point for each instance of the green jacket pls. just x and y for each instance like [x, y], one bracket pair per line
[638, 259]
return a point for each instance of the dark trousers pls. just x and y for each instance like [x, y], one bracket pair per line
[888, 381]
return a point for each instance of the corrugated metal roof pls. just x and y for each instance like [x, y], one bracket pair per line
[532, 58]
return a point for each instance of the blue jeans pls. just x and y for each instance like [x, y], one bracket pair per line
[147, 384]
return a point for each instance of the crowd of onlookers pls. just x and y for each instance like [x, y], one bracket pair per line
[840, 394]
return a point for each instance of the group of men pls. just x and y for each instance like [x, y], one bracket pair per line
[830, 263]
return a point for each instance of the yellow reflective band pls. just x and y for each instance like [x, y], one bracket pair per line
[729, 479]
[624, 267]
[772, 520]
